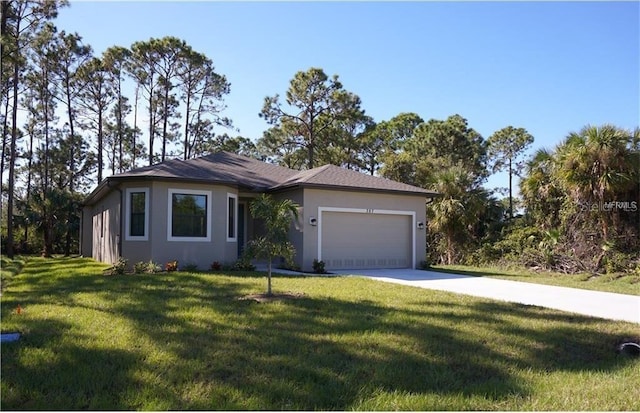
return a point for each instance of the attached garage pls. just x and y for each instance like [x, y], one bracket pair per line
[365, 238]
[349, 220]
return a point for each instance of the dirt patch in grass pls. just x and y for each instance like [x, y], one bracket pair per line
[266, 298]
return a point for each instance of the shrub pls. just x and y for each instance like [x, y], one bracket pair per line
[190, 267]
[616, 261]
[171, 266]
[243, 265]
[216, 266]
[318, 266]
[424, 265]
[152, 268]
[119, 267]
[139, 267]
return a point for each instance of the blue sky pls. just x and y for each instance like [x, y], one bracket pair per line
[549, 67]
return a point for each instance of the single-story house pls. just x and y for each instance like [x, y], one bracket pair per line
[197, 211]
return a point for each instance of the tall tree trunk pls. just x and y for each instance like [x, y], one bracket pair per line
[12, 159]
[72, 165]
[186, 125]
[47, 224]
[151, 127]
[100, 148]
[269, 292]
[449, 248]
[311, 147]
[135, 129]
[28, 194]
[165, 122]
[119, 127]
[510, 191]
[5, 133]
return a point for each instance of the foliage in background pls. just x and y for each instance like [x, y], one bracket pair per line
[505, 148]
[319, 121]
[586, 193]
[78, 124]
[78, 121]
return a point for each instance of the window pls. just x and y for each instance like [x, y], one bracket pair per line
[189, 215]
[232, 202]
[137, 214]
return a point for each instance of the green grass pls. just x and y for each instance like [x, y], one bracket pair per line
[9, 268]
[614, 283]
[185, 341]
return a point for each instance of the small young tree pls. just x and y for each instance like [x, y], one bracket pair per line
[277, 217]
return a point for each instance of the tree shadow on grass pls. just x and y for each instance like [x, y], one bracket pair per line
[561, 341]
[197, 347]
[45, 370]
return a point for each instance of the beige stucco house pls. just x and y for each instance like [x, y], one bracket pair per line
[197, 212]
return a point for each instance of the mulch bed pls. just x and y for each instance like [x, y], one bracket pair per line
[265, 298]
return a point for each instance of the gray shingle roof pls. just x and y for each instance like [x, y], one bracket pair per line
[223, 167]
[254, 175]
[336, 177]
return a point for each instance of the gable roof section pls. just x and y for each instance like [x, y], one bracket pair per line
[232, 169]
[332, 176]
[220, 167]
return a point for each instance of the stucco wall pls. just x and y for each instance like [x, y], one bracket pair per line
[86, 232]
[316, 198]
[105, 228]
[296, 232]
[201, 253]
[136, 251]
[104, 223]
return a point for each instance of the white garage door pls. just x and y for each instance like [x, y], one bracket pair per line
[366, 240]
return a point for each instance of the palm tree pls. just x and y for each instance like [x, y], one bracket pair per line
[277, 217]
[540, 189]
[457, 211]
[597, 163]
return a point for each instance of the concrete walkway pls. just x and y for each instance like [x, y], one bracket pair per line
[591, 303]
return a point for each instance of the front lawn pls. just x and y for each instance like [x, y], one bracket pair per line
[614, 283]
[186, 341]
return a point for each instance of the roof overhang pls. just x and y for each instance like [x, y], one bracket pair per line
[108, 184]
[426, 193]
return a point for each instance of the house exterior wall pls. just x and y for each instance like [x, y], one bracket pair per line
[136, 251]
[105, 223]
[86, 232]
[105, 228]
[296, 232]
[200, 253]
[314, 199]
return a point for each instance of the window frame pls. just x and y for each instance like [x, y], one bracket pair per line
[235, 217]
[128, 211]
[179, 191]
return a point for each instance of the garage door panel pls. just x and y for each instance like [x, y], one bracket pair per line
[356, 240]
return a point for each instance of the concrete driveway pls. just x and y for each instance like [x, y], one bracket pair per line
[591, 303]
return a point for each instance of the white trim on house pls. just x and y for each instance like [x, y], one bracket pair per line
[209, 196]
[412, 214]
[127, 216]
[235, 217]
